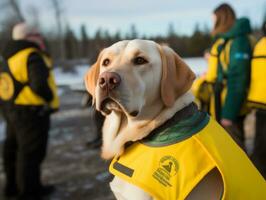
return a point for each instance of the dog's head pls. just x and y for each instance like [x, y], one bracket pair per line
[131, 75]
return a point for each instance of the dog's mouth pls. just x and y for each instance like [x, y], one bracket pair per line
[108, 105]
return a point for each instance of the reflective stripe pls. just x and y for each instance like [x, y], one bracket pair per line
[123, 169]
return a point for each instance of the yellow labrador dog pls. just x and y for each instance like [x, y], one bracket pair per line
[141, 86]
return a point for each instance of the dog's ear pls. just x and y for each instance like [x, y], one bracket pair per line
[177, 77]
[92, 75]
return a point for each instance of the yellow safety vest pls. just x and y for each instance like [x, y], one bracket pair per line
[211, 74]
[170, 172]
[224, 59]
[17, 65]
[257, 91]
[202, 88]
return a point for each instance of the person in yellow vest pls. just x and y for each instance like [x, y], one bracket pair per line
[257, 100]
[227, 79]
[28, 96]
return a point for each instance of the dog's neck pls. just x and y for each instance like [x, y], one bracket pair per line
[160, 116]
[116, 133]
[152, 110]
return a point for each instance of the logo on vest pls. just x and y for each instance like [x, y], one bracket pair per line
[6, 86]
[168, 167]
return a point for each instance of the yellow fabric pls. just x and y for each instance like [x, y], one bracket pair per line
[224, 58]
[171, 172]
[211, 73]
[210, 77]
[257, 92]
[28, 97]
[202, 90]
[6, 86]
[204, 83]
[18, 67]
[18, 64]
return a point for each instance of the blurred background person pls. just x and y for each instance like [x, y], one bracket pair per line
[28, 98]
[257, 100]
[228, 70]
[202, 89]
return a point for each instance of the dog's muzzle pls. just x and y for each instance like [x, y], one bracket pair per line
[108, 82]
[109, 96]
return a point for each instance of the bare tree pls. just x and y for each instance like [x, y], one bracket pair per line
[58, 11]
[264, 14]
[33, 16]
[10, 14]
[16, 8]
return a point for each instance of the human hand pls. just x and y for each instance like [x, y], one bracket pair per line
[226, 122]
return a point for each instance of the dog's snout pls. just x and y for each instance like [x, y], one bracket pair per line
[109, 80]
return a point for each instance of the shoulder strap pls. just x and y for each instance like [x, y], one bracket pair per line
[220, 68]
[259, 57]
[218, 85]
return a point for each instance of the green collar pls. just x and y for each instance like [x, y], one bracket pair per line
[180, 131]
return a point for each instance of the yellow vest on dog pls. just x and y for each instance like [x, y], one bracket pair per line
[170, 170]
[257, 91]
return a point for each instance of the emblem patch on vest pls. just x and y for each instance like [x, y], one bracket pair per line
[6, 86]
[168, 167]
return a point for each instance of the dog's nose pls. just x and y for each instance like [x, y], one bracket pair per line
[109, 80]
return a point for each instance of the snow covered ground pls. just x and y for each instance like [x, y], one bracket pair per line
[70, 78]
[2, 129]
[198, 65]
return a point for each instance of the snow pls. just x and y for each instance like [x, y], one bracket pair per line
[198, 64]
[70, 78]
[2, 130]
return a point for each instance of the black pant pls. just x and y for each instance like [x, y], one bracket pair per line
[99, 119]
[259, 152]
[236, 131]
[24, 150]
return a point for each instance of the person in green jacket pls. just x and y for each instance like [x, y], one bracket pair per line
[231, 54]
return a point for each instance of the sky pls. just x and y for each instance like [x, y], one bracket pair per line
[151, 17]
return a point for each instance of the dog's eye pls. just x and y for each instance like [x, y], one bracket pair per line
[139, 61]
[106, 62]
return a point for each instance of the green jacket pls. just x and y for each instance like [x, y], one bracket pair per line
[238, 72]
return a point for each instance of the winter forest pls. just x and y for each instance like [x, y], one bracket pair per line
[64, 44]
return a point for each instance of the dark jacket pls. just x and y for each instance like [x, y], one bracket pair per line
[38, 72]
[264, 28]
[238, 72]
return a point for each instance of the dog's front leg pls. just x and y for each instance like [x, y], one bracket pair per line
[126, 191]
